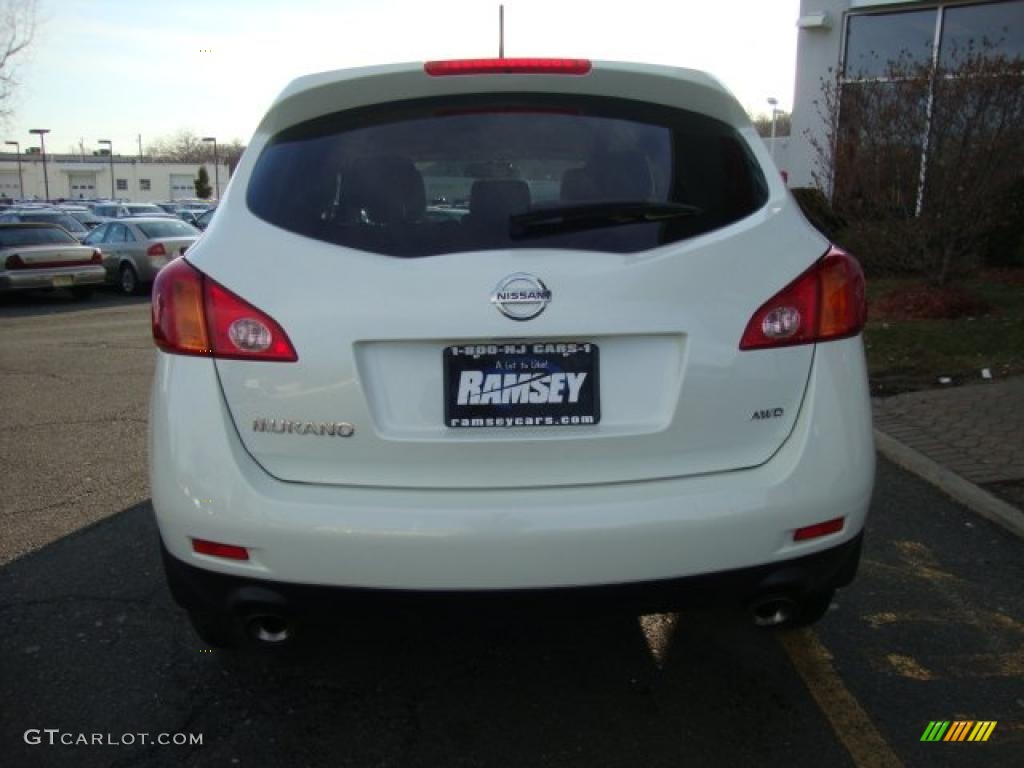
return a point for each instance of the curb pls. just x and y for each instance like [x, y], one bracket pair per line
[977, 499]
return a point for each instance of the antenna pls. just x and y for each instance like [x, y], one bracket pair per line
[501, 31]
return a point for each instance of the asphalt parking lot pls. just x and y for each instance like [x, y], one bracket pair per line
[90, 642]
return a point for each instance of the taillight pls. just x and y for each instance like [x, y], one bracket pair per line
[507, 67]
[216, 549]
[156, 249]
[826, 302]
[818, 529]
[194, 315]
[15, 261]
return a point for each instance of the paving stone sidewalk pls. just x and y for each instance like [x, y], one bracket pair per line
[977, 431]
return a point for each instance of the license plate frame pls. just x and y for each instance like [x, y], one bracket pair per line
[474, 399]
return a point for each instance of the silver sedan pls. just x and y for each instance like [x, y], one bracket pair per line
[135, 249]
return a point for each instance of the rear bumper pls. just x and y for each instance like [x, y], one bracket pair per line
[204, 485]
[29, 279]
[197, 589]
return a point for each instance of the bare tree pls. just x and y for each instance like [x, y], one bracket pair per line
[183, 147]
[17, 28]
[187, 147]
[231, 153]
[763, 124]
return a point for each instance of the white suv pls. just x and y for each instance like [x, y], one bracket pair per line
[537, 329]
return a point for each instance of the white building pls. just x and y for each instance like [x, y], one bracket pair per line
[855, 39]
[73, 177]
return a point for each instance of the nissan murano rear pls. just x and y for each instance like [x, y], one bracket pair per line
[542, 330]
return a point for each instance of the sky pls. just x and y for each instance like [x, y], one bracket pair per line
[118, 69]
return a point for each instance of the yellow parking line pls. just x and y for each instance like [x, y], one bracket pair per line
[850, 722]
[908, 666]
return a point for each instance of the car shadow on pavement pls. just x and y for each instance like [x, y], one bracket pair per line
[91, 643]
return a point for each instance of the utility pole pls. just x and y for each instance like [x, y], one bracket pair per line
[216, 167]
[140, 147]
[501, 31]
[110, 153]
[41, 133]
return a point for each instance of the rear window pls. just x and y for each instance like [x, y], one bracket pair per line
[70, 223]
[14, 237]
[168, 228]
[86, 217]
[436, 176]
[136, 210]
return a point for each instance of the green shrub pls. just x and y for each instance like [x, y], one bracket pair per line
[887, 247]
[1003, 245]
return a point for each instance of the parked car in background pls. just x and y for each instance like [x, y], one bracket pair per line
[123, 210]
[110, 210]
[188, 215]
[631, 372]
[203, 220]
[136, 248]
[46, 215]
[145, 209]
[83, 214]
[195, 204]
[43, 255]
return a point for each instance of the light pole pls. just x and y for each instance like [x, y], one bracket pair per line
[773, 102]
[21, 181]
[110, 153]
[41, 133]
[216, 170]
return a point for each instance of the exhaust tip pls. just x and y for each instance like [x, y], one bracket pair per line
[269, 629]
[773, 610]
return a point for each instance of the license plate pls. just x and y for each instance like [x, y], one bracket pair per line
[63, 281]
[532, 384]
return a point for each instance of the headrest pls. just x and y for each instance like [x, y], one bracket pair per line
[498, 198]
[387, 187]
[625, 176]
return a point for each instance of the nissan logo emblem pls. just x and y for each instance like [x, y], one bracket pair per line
[520, 296]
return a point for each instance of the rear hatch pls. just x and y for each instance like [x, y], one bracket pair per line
[513, 281]
[41, 246]
[166, 238]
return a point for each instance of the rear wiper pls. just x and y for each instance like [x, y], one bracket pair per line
[572, 218]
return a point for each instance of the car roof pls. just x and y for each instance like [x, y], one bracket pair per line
[305, 97]
[31, 225]
[147, 219]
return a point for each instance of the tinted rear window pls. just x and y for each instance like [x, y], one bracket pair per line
[16, 237]
[169, 228]
[70, 223]
[136, 210]
[439, 176]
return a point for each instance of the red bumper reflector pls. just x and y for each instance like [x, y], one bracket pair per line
[818, 529]
[215, 549]
[507, 67]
